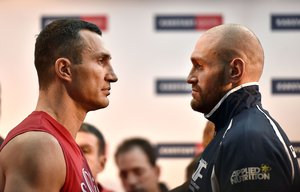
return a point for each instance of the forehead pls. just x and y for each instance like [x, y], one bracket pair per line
[133, 158]
[93, 43]
[205, 48]
[84, 138]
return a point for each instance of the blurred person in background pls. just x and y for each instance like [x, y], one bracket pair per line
[207, 136]
[136, 160]
[75, 75]
[250, 151]
[208, 133]
[93, 145]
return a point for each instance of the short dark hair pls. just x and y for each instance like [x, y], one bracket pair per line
[143, 144]
[60, 38]
[88, 128]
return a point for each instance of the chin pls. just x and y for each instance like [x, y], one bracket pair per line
[196, 106]
[98, 106]
[103, 106]
[103, 103]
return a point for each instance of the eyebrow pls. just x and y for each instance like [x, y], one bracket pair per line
[84, 145]
[196, 58]
[103, 54]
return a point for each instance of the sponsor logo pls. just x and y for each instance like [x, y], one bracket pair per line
[296, 148]
[99, 20]
[201, 166]
[172, 86]
[185, 150]
[187, 22]
[251, 174]
[89, 183]
[193, 186]
[286, 86]
[285, 22]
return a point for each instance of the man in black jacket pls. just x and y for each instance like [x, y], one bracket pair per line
[250, 151]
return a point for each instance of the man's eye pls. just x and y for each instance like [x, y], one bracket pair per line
[198, 66]
[85, 150]
[104, 58]
[139, 171]
[123, 174]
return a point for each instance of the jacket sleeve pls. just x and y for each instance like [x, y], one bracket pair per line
[252, 160]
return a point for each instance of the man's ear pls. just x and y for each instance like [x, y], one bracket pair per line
[237, 70]
[102, 162]
[157, 170]
[63, 68]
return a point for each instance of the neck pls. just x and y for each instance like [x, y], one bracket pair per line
[62, 109]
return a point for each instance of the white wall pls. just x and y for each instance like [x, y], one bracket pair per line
[140, 55]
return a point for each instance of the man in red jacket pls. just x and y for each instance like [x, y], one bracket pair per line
[75, 75]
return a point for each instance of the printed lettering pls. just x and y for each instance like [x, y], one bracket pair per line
[89, 183]
[197, 174]
[251, 173]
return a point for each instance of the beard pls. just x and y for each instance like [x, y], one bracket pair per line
[197, 106]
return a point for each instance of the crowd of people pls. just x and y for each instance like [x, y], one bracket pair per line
[245, 150]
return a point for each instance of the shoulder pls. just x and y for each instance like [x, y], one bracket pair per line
[33, 143]
[254, 135]
[251, 124]
[33, 154]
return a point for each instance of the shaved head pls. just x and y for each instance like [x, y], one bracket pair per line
[237, 41]
[224, 57]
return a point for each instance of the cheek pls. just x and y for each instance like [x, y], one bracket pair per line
[91, 158]
[208, 84]
[150, 176]
[214, 87]
[206, 77]
[215, 79]
[92, 75]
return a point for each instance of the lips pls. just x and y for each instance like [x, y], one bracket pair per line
[106, 90]
[194, 90]
[195, 93]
